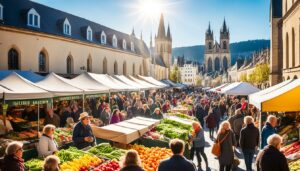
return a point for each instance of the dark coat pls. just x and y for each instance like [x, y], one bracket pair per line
[211, 121]
[105, 117]
[199, 140]
[217, 113]
[227, 155]
[201, 112]
[147, 113]
[176, 163]
[265, 133]
[249, 138]
[55, 120]
[63, 118]
[13, 163]
[132, 168]
[79, 133]
[273, 160]
[157, 116]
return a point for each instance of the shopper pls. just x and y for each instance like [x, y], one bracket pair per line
[157, 114]
[105, 115]
[249, 139]
[227, 139]
[211, 123]
[201, 111]
[51, 163]
[47, 144]
[166, 107]
[52, 118]
[177, 162]
[13, 157]
[268, 130]
[115, 116]
[198, 144]
[270, 158]
[82, 134]
[132, 162]
[236, 123]
[146, 111]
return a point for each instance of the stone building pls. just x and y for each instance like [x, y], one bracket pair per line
[43, 39]
[285, 40]
[217, 56]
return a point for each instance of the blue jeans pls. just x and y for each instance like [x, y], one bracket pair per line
[248, 156]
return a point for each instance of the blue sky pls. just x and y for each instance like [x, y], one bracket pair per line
[188, 19]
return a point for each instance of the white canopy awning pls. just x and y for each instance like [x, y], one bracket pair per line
[58, 86]
[218, 88]
[153, 81]
[88, 84]
[239, 88]
[22, 89]
[112, 83]
[144, 83]
[130, 82]
[4, 90]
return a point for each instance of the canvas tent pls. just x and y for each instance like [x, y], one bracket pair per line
[22, 89]
[29, 75]
[218, 88]
[58, 86]
[153, 81]
[130, 82]
[279, 98]
[239, 88]
[144, 83]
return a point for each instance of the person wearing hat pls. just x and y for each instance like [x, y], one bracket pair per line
[82, 134]
[157, 114]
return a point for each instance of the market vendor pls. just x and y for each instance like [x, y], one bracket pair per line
[82, 134]
[4, 128]
[157, 114]
[47, 144]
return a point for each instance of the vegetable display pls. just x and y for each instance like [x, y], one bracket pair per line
[295, 165]
[151, 157]
[105, 150]
[34, 165]
[183, 116]
[63, 135]
[83, 163]
[173, 129]
[290, 149]
[111, 165]
[70, 154]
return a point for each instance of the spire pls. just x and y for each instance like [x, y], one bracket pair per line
[161, 28]
[224, 27]
[151, 40]
[169, 33]
[142, 35]
[132, 34]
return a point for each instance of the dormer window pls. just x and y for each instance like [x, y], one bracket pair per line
[67, 27]
[103, 38]
[33, 18]
[132, 46]
[114, 41]
[89, 34]
[1, 12]
[124, 44]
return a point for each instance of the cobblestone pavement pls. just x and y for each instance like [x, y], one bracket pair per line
[213, 162]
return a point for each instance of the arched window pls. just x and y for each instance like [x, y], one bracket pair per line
[43, 67]
[67, 27]
[225, 63]
[293, 48]
[1, 12]
[288, 78]
[224, 45]
[70, 64]
[124, 68]
[116, 68]
[295, 77]
[209, 45]
[33, 18]
[89, 64]
[124, 44]
[114, 41]
[217, 64]
[132, 46]
[103, 37]
[105, 66]
[287, 49]
[133, 69]
[141, 71]
[89, 34]
[209, 65]
[13, 59]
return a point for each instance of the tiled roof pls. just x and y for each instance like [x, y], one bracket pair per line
[51, 22]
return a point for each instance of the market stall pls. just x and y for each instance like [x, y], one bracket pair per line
[144, 83]
[239, 88]
[29, 75]
[153, 81]
[218, 88]
[131, 82]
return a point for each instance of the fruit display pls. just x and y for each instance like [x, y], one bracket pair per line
[63, 135]
[173, 129]
[151, 157]
[34, 165]
[23, 135]
[291, 149]
[82, 163]
[70, 154]
[294, 165]
[105, 150]
[111, 165]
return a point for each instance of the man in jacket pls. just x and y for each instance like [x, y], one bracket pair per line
[52, 118]
[82, 134]
[201, 111]
[177, 162]
[268, 130]
[249, 139]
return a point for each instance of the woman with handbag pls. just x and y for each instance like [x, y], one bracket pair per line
[227, 141]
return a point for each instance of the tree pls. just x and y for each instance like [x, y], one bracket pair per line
[175, 75]
[198, 80]
[243, 77]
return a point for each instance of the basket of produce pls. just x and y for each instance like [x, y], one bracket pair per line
[105, 150]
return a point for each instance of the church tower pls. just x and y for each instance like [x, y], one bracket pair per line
[163, 43]
[209, 44]
[224, 47]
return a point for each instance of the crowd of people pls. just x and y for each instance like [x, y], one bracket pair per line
[230, 122]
